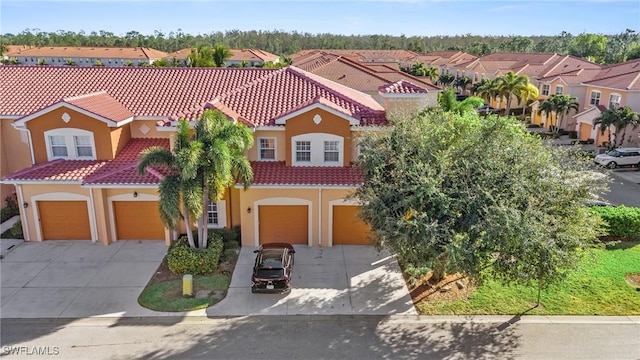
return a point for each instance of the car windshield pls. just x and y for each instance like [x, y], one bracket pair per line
[270, 273]
[614, 153]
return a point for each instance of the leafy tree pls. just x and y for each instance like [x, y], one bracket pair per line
[589, 46]
[69, 62]
[621, 119]
[160, 63]
[202, 56]
[220, 54]
[42, 62]
[201, 167]
[447, 101]
[619, 46]
[479, 196]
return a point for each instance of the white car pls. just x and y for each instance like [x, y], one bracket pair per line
[619, 157]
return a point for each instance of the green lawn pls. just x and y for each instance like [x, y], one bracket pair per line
[599, 288]
[167, 296]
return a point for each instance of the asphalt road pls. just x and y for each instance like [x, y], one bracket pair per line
[324, 337]
[625, 187]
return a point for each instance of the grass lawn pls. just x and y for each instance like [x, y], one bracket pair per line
[167, 295]
[599, 288]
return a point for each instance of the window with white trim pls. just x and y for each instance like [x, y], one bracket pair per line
[216, 214]
[545, 89]
[331, 151]
[71, 144]
[614, 101]
[317, 149]
[303, 151]
[559, 89]
[475, 77]
[267, 149]
[595, 97]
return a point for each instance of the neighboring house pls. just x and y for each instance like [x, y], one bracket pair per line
[535, 66]
[382, 81]
[613, 86]
[71, 149]
[84, 55]
[250, 57]
[367, 56]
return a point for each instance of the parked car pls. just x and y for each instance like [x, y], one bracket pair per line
[272, 268]
[487, 110]
[619, 157]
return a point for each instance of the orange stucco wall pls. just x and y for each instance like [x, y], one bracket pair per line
[53, 120]
[330, 124]
[119, 138]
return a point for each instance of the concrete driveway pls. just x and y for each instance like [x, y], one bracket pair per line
[340, 280]
[77, 279]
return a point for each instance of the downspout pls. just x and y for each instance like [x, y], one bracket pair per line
[93, 215]
[319, 216]
[25, 224]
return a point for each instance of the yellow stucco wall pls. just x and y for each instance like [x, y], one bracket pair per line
[15, 154]
[281, 145]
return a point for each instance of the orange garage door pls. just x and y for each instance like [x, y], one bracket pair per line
[64, 220]
[138, 220]
[348, 229]
[283, 223]
[585, 131]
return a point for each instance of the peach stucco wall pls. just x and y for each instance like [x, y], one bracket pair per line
[317, 199]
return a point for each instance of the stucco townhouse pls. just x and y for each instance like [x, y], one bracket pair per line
[83, 55]
[71, 138]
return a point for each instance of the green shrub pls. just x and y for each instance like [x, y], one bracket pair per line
[230, 255]
[15, 232]
[227, 234]
[11, 209]
[182, 259]
[623, 221]
[231, 245]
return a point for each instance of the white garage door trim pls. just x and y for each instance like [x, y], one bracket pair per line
[126, 197]
[62, 196]
[281, 201]
[339, 202]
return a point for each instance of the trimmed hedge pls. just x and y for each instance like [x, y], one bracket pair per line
[624, 222]
[182, 259]
[15, 232]
[11, 209]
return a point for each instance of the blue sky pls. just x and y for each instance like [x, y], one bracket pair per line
[392, 17]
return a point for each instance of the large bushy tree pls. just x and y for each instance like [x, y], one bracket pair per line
[479, 196]
[204, 162]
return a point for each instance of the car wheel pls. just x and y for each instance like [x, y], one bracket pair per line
[253, 291]
[612, 165]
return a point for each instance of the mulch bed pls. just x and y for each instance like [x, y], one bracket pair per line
[633, 279]
[425, 289]
[164, 274]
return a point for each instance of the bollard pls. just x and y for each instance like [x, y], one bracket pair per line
[187, 285]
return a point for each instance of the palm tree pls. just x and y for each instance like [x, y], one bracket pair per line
[201, 167]
[446, 79]
[220, 54]
[621, 119]
[563, 105]
[202, 56]
[418, 69]
[528, 93]
[462, 83]
[432, 74]
[510, 85]
[447, 101]
[486, 89]
[547, 107]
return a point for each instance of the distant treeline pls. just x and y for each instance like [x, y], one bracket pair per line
[599, 48]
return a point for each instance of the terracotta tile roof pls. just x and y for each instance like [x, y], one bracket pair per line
[624, 76]
[101, 104]
[364, 55]
[173, 93]
[57, 170]
[574, 77]
[402, 87]
[363, 77]
[123, 170]
[90, 52]
[277, 173]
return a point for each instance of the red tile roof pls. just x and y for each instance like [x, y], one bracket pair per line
[236, 55]
[88, 52]
[402, 87]
[624, 76]
[277, 173]
[57, 171]
[101, 104]
[174, 93]
[120, 171]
